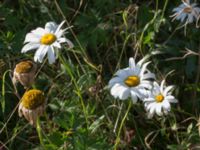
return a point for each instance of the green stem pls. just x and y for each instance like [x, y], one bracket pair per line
[39, 131]
[3, 91]
[164, 8]
[78, 92]
[121, 125]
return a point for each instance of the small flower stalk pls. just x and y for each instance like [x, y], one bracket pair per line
[32, 105]
[24, 73]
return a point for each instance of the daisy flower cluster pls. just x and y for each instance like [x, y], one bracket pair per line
[46, 41]
[136, 82]
[186, 12]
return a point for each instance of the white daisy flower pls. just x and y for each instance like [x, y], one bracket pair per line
[131, 81]
[186, 12]
[159, 99]
[47, 41]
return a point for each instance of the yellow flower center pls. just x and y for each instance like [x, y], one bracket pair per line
[48, 39]
[159, 98]
[32, 99]
[187, 10]
[24, 67]
[132, 81]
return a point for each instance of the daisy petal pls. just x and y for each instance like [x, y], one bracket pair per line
[134, 97]
[142, 60]
[56, 44]
[167, 89]
[113, 81]
[70, 44]
[29, 46]
[40, 53]
[122, 73]
[166, 105]
[39, 31]
[124, 93]
[51, 56]
[148, 76]
[30, 37]
[59, 27]
[51, 27]
[158, 110]
[114, 90]
[131, 63]
[144, 67]
[162, 86]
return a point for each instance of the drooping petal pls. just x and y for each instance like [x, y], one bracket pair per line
[70, 44]
[167, 89]
[152, 111]
[148, 76]
[166, 105]
[20, 110]
[158, 110]
[51, 56]
[40, 53]
[59, 27]
[182, 17]
[29, 46]
[134, 97]
[143, 60]
[60, 33]
[144, 68]
[62, 40]
[56, 44]
[124, 93]
[117, 91]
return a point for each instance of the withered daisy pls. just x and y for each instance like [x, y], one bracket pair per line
[24, 73]
[32, 105]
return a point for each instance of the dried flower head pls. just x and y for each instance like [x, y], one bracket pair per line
[24, 73]
[32, 105]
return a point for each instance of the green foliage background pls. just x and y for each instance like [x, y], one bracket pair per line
[81, 114]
